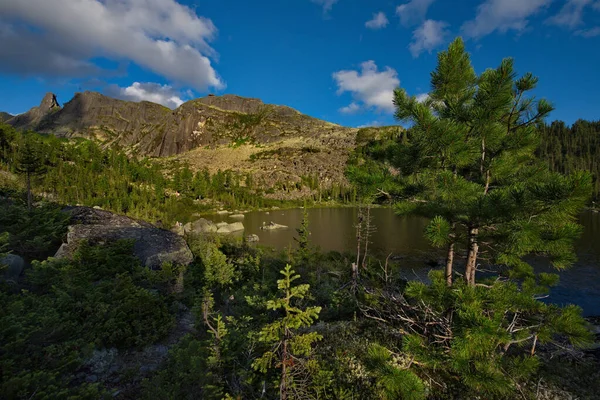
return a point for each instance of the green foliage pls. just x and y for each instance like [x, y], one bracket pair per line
[189, 374]
[99, 299]
[33, 235]
[394, 382]
[571, 149]
[470, 164]
[438, 231]
[286, 346]
[218, 272]
[303, 252]
[482, 338]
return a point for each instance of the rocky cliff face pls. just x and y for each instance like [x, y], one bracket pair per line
[276, 142]
[34, 117]
[151, 129]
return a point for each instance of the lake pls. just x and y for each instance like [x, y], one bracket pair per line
[333, 229]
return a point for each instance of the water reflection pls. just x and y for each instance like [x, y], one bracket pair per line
[333, 229]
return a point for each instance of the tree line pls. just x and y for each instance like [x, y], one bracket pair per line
[572, 148]
[79, 171]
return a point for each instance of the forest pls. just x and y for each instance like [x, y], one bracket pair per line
[242, 322]
[79, 171]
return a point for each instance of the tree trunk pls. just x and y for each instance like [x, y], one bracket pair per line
[283, 383]
[449, 262]
[29, 197]
[354, 277]
[366, 235]
[472, 257]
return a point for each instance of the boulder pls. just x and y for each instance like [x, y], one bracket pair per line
[15, 265]
[201, 225]
[153, 246]
[236, 227]
[272, 226]
[237, 216]
[205, 226]
[222, 212]
[225, 228]
[252, 238]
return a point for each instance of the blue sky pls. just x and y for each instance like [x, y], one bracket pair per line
[338, 60]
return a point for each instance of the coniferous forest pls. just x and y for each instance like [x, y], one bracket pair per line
[496, 182]
[572, 148]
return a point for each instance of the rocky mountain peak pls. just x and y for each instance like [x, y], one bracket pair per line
[49, 102]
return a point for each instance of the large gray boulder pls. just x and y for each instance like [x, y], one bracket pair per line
[201, 225]
[271, 226]
[205, 226]
[153, 246]
[15, 265]
[230, 228]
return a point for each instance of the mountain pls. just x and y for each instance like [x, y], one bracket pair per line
[274, 143]
[4, 116]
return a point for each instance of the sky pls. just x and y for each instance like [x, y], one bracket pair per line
[338, 60]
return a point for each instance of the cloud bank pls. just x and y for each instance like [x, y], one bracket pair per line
[60, 37]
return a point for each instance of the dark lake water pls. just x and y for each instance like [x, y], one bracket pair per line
[332, 229]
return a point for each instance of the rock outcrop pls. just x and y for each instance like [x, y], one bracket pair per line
[37, 115]
[271, 226]
[153, 246]
[253, 238]
[203, 225]
[151, 129]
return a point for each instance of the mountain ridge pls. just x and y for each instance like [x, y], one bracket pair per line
[4, 116]
[152, 129]
[277, 144]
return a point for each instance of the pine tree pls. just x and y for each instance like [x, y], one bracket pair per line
[302, 239]
[30, 162]
[287, 346]
[471, 164]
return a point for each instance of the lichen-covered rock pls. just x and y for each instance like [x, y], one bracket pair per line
[205, 226]
[226, 228]
[253, 238]
[271, 226]
[153, 246]
[201, 225]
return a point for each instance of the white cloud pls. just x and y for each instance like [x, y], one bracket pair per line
[154, 92]
[413, 12]
[326, 4]
[588, 33]
[422, 97]
[428, 36]
[163, 36]
[372, 124]
[502, 15]
[570, 15]
[369, 87]
[379, 21]
[350, 108]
